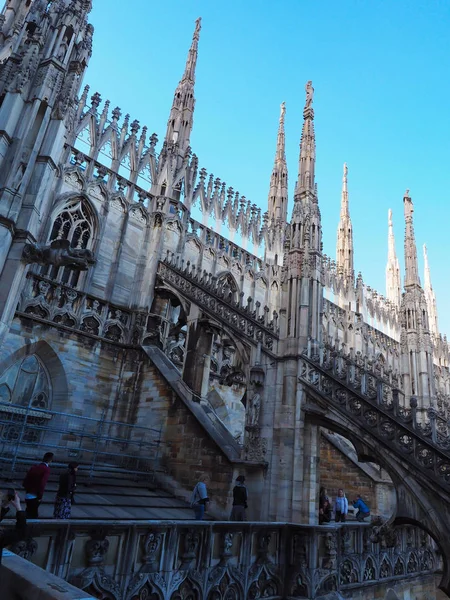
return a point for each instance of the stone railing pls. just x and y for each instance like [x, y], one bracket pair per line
[203, 560]
[375, 405]
[59, 305]
[254, 322]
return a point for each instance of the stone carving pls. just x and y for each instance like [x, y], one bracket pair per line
[151, 545]
[309, 94]
[25, 548]
[348, 574]
[94, 579]
[96, 548]
[329, 561]
[58, 254]
[191, 544]
[255, 447]
[227, 544]
[253, 410]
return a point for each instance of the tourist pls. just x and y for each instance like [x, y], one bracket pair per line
[199, 498]
[363, 509]
[5, 500]
[66, 490]
[240, 497]
[11, 536]
[340, 507]
[34, 484]
[324, 507]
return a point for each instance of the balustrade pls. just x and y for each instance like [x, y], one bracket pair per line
[133, 560]
[203, 289]
[374, 402]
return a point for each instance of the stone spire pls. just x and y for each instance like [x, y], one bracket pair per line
[411, 269]
[181, 118]
[305, 183]
[191, 62]
[279, 180]
[344, 248]
[430, 296]
[393, 282]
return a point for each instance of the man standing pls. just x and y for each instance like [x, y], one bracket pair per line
[240, 497]
[34, 484]
[199, 498]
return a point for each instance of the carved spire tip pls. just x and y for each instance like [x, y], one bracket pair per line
[198, 26]
[309, 95]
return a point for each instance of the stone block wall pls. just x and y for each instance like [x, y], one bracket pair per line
[337, 471]
[95, 379]
[190, 454]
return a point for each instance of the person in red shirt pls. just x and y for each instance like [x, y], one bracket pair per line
[34, 484]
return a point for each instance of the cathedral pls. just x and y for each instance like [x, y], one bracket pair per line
[153, 318]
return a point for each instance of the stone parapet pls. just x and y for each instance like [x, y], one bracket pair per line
[126, 560]
[22, 581]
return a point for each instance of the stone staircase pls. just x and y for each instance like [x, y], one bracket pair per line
[108, 495]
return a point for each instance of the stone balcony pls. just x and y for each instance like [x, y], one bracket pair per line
[143, 560]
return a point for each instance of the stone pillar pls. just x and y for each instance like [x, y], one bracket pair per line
[198, 353]
[11, 279]
[311, 474]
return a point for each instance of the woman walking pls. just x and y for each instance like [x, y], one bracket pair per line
[66, 490]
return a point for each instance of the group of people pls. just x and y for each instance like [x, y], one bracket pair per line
[34, 485]
[340, 507]
[200, 500]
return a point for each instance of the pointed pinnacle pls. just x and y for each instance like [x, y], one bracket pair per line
[191, 62]
[282, 113]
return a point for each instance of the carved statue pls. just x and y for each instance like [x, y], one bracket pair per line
[58, 254]
[254, 409]
[309, 94]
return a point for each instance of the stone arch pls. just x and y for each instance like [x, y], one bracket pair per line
[391, 595]
[70, 202]
[414, 506]
[228, 286]
[52, 365]
[75, 219]
[225, 588]
[188, 590]
[369, 571]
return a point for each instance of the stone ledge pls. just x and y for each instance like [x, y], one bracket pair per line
[21, 580]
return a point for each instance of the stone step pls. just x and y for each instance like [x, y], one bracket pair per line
[108, 496]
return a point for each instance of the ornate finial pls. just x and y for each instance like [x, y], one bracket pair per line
[309, 94]
[282, 113]
[198, 26]
[390, 217]
[407, 194]
[345, 170]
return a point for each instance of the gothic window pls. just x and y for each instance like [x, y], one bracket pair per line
[26, 383]
[74, 223]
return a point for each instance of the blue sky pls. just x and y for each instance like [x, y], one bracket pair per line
[380, 73]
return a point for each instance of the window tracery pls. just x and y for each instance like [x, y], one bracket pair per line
[75, 223]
